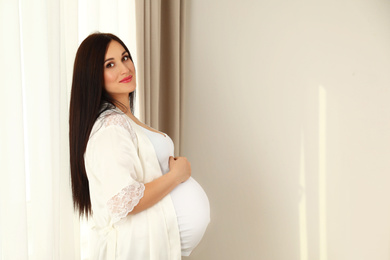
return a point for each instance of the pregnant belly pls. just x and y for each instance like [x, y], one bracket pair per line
[193, 213]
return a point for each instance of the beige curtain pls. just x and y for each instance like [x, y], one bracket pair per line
[158, 68]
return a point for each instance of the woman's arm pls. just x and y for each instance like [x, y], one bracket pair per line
[180, 171]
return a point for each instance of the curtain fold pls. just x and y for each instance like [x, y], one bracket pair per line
[37, 220]
[13, 221]
[158, 68]
[38, 43]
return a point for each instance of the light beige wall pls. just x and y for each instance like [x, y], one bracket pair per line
[286, 122]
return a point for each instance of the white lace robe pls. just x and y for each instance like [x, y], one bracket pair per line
[119, 159]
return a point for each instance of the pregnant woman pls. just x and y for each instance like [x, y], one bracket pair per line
[142, 202]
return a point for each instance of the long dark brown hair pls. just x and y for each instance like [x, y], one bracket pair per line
[88, 100]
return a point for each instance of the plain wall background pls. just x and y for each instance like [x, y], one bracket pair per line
[286, 122]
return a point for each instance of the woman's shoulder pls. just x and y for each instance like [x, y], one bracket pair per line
[112, 117]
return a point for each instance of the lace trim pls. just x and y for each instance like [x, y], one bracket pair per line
[124, 202]
[115, 118]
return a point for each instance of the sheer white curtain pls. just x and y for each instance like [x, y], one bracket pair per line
[38, 41]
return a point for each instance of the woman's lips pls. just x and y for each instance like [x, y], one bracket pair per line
[126, 80]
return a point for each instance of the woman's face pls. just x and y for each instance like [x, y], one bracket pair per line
[119, 72]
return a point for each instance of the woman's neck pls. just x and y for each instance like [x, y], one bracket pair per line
[123, 104]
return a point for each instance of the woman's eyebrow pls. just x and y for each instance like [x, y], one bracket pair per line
[113, 58]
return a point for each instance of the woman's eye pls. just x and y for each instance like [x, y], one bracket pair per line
[109, 65]
[126, 57]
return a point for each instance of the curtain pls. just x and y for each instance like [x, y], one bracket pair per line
[36, 219]
[158, 69]
[38, 43]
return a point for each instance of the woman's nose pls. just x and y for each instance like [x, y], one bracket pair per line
[124, 69]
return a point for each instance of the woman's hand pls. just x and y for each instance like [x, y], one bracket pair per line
[180, 171]
[180, 168]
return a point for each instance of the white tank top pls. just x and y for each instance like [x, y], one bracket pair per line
[189, 199]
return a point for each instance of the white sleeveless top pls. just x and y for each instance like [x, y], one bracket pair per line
[189, 199]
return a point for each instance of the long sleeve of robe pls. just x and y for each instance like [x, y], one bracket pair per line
[119, 160]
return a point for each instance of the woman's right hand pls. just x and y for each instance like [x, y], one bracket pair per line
[180, 171]
[180, 168]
